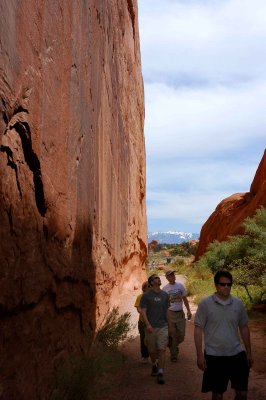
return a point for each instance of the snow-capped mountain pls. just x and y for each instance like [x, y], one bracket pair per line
[172, 237]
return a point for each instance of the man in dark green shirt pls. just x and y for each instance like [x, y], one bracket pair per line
[153, 307]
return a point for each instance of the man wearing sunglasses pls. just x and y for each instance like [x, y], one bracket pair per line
[220, 318]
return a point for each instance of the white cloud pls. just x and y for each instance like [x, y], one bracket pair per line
[186, 194]
[204, 66]
[203, 121]
[201, 175]
[213, 41]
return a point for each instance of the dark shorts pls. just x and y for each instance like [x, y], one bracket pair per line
[221, 370]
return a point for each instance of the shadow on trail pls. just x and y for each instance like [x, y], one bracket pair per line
[182, 379]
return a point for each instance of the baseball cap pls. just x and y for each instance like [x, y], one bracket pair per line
[169, 273]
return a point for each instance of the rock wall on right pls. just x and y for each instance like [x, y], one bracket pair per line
[228, 216]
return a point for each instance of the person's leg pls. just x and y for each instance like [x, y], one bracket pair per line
[153, 357]
[161, 359]
[162, 340]
[154, 368]
[143, 347]
[239, 373]
[151, 343]
[180, 328]
[240, 395]
[215, 377]
[172, 333]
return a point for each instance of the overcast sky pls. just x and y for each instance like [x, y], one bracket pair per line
[204, 70]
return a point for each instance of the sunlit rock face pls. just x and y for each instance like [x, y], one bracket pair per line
[72, 164]
[226, 220]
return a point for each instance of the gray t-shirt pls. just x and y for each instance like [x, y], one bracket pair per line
[156, 305]
[220, 321]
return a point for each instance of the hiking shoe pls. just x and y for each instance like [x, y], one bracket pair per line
[160, 379]
[174, 359]
[154, 370]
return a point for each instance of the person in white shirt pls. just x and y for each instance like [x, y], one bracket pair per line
[175, 314]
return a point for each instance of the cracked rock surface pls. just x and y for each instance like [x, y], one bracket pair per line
[72, 180]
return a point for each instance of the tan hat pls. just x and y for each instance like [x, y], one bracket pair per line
[169, 273]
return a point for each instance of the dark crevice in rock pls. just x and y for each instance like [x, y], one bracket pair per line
[60, 310]
[7, 313]
[4, 113]
[33, 162]
[72, 280]
[20, 109]
[132, 15]
[10, 219]
[45, 232]
[11, 163]
[5, 118]
[21, 308]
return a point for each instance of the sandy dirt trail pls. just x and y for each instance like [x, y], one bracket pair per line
[182, 379]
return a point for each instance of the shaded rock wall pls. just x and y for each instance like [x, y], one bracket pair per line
[72, 165]
[228, 216]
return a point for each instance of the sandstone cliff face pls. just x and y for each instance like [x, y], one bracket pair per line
[226, 220]
[72, 165]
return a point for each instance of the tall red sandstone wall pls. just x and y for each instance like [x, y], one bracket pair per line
[228, 216]
[72, 165]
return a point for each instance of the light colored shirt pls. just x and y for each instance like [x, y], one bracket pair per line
[176, 292]
[220, 321]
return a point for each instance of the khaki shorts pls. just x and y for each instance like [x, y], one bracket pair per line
[157, 340]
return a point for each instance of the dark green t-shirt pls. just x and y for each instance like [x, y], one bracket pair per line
[156, 305]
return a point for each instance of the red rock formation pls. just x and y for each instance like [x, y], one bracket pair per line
[72, 162]
[226, 220]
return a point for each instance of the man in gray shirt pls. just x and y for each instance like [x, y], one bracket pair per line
[153, 308]
[220, 318]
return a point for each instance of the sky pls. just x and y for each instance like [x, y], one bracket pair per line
[204, 71]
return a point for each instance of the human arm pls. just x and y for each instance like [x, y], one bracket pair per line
[145, 319]
[245, 335]
[137, 303]
[185, 300]
[198, 334]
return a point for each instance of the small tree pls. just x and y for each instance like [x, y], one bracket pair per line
[249, 271]
[244, 255]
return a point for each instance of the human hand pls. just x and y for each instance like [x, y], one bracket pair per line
[201, 362]
[250, 360]
[189, 315]
[149, 328]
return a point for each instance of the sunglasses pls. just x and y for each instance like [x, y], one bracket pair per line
[225, 284]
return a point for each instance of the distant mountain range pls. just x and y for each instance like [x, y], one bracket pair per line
[172, 237]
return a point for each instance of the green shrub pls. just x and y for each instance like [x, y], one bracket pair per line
[79, 377]
[250, 271]
[199, 288]
[115, 330]
[200, 282]
[178, 264]
[243, 255]
[184, 249]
